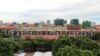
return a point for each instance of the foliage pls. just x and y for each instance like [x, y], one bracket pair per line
[23, 43]
[83, 43]
[2, 35]
[96, 36]
[39, 42]
[61, 43]
[78, 46]
[70, 51]
[28, 45]
[96, 52]
[6, 48]
[87, 53]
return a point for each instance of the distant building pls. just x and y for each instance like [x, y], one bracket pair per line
[25, 23]
[47, 31]
[65, 23]
[74, 22]
[74, 27]
[97, 27]
[14, 23]
[1, 22]
[48, 22]
[93, 24]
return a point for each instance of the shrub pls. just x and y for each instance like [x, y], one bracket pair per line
[70, 51]
[96, 52]
[96, 36]
[40, 43]
[61, 43]
[83, 43]
[6, 48]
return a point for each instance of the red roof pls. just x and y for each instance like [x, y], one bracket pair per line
[44, 36]
[97, 27]
[6, 27]
[74, 27]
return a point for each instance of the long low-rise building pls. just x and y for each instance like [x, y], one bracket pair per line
[47, 32]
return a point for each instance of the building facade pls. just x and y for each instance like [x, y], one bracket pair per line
[47, 31]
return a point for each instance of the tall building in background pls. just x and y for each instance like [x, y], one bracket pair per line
[1, 22]
[59, 22]
[48, 22]
[86, 24]
[93, 24]
[74, 22]
[65, 23]
[24, 23]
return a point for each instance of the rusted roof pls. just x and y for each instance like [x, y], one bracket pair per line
[44, 36]
[7, 27]
[74, 27]
[97, 27]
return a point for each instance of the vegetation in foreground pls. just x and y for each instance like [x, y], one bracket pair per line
[79, 46]
[64, 46]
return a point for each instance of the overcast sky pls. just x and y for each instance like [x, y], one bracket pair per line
[42, 10]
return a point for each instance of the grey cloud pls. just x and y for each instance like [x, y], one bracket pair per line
[81, 10]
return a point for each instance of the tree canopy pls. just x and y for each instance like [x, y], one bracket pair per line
[82, 43]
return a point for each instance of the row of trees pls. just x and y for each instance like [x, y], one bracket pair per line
[64, 46]
[38, 44]
[22, 44]
[61, 22]
[79, 46]
[6, 47]
[70, 51]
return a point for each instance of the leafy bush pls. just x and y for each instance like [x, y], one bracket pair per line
[61, 43]
[41, 43]
[5, 35]
[21, 44]
[96, 52]
[83, 43]
[6, 48]
[96, 36]
[70, 51]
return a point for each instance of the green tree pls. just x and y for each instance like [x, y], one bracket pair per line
[39, 40]
[87, 53]
[79, 42]
[96, 52]
[86, 24]
[96, 36]
[85, 43]
[59, 22]
[6, 48]
[2, 35]
[61, 43]
[74, 22]
[44, 44]
[70, 51]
